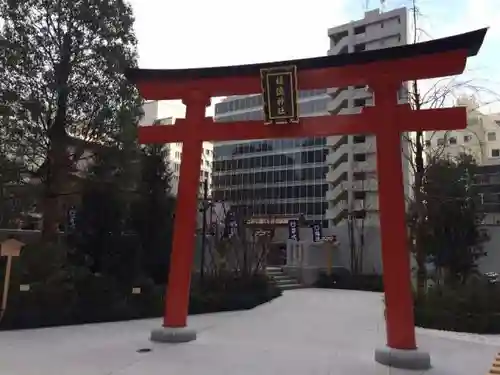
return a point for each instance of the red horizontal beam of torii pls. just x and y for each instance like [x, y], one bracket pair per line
[321, 126]
[383, 71]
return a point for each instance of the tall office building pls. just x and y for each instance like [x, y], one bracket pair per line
[320, 178]
[272, 178]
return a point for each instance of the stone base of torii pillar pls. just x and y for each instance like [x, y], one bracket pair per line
[173, 335]
[413, 359]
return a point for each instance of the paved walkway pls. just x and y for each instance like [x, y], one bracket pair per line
[303, 332]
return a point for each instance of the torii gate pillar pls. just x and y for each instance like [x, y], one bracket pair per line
[384, 71]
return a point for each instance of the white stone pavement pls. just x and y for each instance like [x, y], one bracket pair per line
[303, 332]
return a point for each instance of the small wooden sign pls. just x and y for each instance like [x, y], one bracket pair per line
[262, 232]
[11, 247]
[280, 93]
[24, 288]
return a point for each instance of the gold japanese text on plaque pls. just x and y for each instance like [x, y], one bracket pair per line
[279, 89]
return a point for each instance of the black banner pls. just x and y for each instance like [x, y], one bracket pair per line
[71, 219]
[293, 230]
[280, 94]
[317, 232]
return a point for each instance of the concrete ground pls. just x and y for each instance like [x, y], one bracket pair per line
[303, 332]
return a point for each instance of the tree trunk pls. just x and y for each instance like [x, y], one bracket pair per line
[419, 176]
[419, 243]
[352, 242]
[57, 156]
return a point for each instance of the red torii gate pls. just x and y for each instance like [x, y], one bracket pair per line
[383, 71]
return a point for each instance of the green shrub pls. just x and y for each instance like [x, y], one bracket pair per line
[63, 294]
[98, 299]
[150, 302]
[51, 297]
[228, 292]
[341, 278]
[474, 307]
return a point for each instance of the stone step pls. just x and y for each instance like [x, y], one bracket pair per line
[285, 282]
[282, 280]
[273, 269]
[290, 286]
[275, 273]
[281, 276]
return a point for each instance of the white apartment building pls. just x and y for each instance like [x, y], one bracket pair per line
[152, 116]
[480, 139]
[352, 178]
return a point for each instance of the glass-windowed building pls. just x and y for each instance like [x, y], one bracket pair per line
[272, 178]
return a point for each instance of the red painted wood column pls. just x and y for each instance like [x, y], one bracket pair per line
[184, 241]
[400, 326]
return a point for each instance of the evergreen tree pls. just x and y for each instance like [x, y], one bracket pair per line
[100, 238]
[451, 230]
[63, 77]
[10, 184]
[153, 211]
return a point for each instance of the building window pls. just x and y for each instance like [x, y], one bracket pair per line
[359, 139]
[360, 102]
[359, 48]
[495, 153]
[492, 136]
[359, 157]
[358, 176]
[440, 142]
[453, 140]
[336, 38]
[467, 138]
[359, 30]
[359, 195]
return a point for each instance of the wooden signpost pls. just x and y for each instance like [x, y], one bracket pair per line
[9, 248]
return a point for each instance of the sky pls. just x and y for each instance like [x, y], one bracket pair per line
[197, 33]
